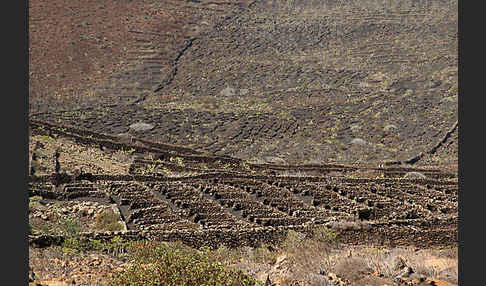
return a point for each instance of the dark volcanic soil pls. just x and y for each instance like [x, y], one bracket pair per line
[306, 83]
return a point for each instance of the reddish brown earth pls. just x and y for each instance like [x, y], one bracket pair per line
[75, 46]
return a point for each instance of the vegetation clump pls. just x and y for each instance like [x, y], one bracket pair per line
[108, 221]
[158, 263]
[115, 246]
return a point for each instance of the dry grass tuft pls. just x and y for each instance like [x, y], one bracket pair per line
[311, 259]
[352, 268]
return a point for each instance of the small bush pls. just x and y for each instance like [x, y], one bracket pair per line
[45, 228]
[116, 246]
[175, 264]
[76, 245]
[429, 263]
[34, 203]
[71, 227]
[324, 234]
[293, 240]
[353, 268]
[108, 220]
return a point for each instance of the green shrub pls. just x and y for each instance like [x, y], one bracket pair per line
[175, 264]
[115, 246]
[76, 244]
[34, 203]
[45, 228]
[324, 234]
[108, 220]
[71, 227]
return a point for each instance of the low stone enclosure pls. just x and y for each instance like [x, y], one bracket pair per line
[224, 201]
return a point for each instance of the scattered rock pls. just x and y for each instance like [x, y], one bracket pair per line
[414, 175]
[359, 141]
[274, 160]
[355, 128]
[435, 282]
[228, 91]
[432, 84]
[398, 280]
[399, 263]
[43, 202]
[390, 127]
[405, 273]
[243, 91]
[279, 263]
[335, 280]
[417, 279]
[140, 126]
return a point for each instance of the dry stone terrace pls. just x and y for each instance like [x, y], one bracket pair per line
[193, 205]
[206, 199]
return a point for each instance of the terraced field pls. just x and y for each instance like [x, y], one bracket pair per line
[303, 81]
[173, 193]
[231, 122]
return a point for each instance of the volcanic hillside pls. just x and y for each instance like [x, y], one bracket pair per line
[230, 123]
[266, 81]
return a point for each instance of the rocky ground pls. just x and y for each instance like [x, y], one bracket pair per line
[104, 190]
[359, 266]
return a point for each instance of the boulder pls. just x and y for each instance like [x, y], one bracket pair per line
[355, 128]
[389, 127]
[141, 126]
[274, 160]
[414, 175]
[228, 91]
[364, 213]
[359, 141]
